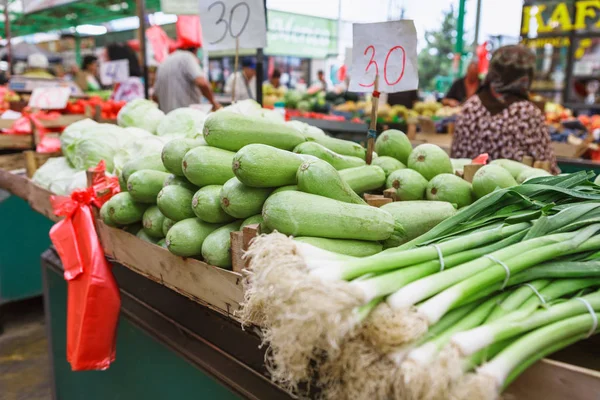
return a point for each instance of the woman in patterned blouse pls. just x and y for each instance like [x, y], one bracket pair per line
[500, 120]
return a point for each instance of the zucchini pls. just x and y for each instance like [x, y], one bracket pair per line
[216, 249]
[185, 238]
[409, 184]
[395, 144]
[514, 167]
[321, 178]
[142, 234]
[337, 160]
[232, 131]
[175, 202]
[363, 179]
[259, 165]
[104, 215]
[151, 161]
[123, 210]
[162, 243]
[388, 164]
[343, 147]
[284, 188]
[349, 247]
[416, 218]
[241, 201]
[304, 214]
[144, 185]
[207, 165]
[179, 181]
[174, 151]
[255, 219]
[167, 224]
[153, 221]
[206, 204]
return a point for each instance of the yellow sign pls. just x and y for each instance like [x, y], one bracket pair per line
[560, 18]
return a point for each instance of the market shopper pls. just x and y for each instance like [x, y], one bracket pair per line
[500, 119]
[37, 67]
[463, 88]
[245, 83]
[274, 81]
[133, 87]
[180, 81]
[321, 80]
[86, 78]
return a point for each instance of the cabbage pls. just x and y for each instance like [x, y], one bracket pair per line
[88, 151]
[54, 169]
[271, 115]
[136, 149]
[245, 107]
[137, 132]
[182, 122]
[140, 113]
[75, 131]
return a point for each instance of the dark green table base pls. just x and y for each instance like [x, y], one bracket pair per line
[168, 347]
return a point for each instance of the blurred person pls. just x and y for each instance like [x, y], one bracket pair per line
[273, 84]
[87, 77]
[37, 67]
[321, 80]
[133, 87]
[463, 88]
[180, 81]
[245, 83]
[500, 119]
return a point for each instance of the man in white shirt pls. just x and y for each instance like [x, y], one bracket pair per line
[245, 85]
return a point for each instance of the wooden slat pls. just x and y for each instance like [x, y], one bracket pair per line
[553, 380]
[376, 200]
[39, 200]
[6, 123]
[17, 142]
[62, 121]
[17, 184]
[214, 287]
[14, 161]
[237, 251]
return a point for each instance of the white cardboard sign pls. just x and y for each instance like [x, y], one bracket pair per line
[224, 21]
[387, 49]
[50, 98]
[179, 7]
[114, 71]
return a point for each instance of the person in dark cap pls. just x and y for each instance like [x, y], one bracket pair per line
[245, 83]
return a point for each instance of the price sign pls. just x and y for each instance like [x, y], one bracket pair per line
[114, 71]
[225, 21]
[387, 49]
[50, 98]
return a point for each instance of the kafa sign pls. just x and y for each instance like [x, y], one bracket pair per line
[553, 17]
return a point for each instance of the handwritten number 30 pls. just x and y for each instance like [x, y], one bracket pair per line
[228, 27]
[372, 62]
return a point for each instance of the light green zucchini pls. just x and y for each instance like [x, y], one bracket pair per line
[175, 202]
[241, 201]
[174, 151]
[232, 131]
[337, 160]
[153, 221]
[216, 249]
[321, 178]
[304, 214]
[388, 164]
[365, 178]
[206, 204]
[124, 210]
[207, 165]
[144, 185]
[186, 237]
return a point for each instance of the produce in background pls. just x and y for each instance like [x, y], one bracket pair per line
[429, 160]
[216, 249]
[206, 204]
[56, 175]
[174, 151]
[142, 234]
[153, 221]
[75, 131]
[364, 179]
[450, 188]
[416, 217]
[140, 113]
[186, 237]
[490, 177]
[409, 184]
[388, 164]
[426, 108]
[337, 160]
[144, 185]
[303, 214]
[175, 202]
[231, 131]
[182, 122]
[349, 247]
[122, 209]
[321, 178]
[206, 165]
[241, 201]
[394, 143]
[259, 165]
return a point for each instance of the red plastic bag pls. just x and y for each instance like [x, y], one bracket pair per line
[189, 31]
[93, 300]
[481, 159]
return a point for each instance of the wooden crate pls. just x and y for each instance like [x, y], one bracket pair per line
[16, 142]
[17, 161]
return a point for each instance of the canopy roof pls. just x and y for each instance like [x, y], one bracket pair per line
[80, 12]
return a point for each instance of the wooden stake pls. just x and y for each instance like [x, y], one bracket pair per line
[527, 160]
[373, 124]
[30, 162]
[470, 170]
[235, 68]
